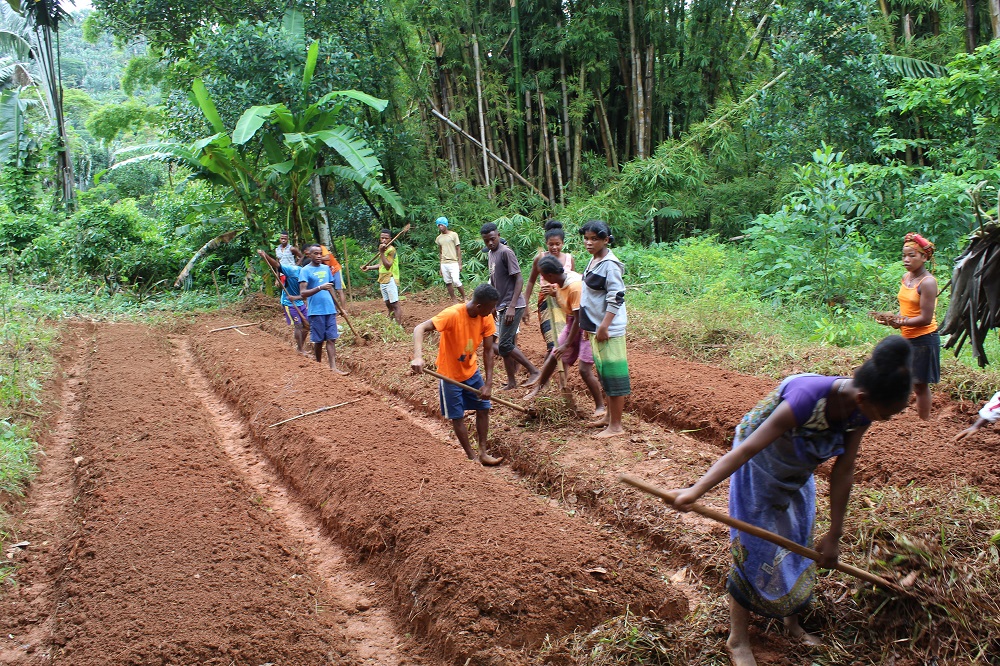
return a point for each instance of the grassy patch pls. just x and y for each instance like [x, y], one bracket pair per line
[696, 295]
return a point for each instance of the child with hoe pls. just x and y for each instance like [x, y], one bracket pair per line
[807, 420]
[291, 301]
[507, 279]
[918, 292]
[571, 345]
[603, 319]
[388, 275]
[463, 327]
[316, 283]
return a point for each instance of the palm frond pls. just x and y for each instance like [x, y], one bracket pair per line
[370, 185]
[914, 68]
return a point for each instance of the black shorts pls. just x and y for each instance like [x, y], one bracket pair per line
[926, 362]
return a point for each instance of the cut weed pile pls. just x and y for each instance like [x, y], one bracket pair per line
[945, 546]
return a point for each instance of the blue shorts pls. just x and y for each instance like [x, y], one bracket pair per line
[293, 316]
[456, 401]
[323, 327]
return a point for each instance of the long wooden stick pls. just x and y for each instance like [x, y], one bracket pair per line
[343, 312]
[226, 328]
[347, 271]
[315, 411]
[550, 313]
[401, 232]
[477, 392]
[761, 533]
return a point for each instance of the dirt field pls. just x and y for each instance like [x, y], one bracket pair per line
[171, 524]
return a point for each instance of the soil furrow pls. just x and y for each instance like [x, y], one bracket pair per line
[479, 566]
[28, 621]
[366, 623]
[176, 561]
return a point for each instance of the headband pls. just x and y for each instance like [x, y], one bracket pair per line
[922, 245]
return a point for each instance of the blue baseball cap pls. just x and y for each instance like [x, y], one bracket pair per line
[442, 220]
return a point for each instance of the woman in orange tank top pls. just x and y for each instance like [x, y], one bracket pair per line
[917, 296]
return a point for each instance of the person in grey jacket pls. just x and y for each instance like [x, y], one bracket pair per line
[603, 319]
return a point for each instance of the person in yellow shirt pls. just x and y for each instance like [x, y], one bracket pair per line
[450, 250]
[388, 275]
[463, 327]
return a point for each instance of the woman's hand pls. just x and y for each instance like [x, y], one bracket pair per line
[685, 498]
[829, 550]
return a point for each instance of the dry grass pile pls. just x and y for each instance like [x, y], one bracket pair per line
[632, 639]
[942, 545]
[377, 326]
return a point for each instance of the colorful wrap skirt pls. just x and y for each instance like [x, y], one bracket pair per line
[611, 364]
[776, 490]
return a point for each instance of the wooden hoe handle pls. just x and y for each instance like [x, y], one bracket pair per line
[449, 380]
[761, 533]
[401, 232]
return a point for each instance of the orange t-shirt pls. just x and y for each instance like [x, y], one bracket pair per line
[568, 295]
[909, 306]
[461, 336]
[329, 260]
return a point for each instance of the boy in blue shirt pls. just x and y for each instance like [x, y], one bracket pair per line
[316, 283]
[291, 301]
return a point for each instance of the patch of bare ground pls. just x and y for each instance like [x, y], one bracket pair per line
[480, 567]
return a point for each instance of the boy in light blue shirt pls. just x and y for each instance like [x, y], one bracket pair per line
[316, 284]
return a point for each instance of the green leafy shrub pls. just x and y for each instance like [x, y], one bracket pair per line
[812, 247]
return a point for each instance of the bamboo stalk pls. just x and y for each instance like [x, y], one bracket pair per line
[347, 270]
[315, 411]
[226, 328]
[544, 143]
[761, 533]
[482, 119]
[477, 392]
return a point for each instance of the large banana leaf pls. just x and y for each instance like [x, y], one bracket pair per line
[207, 106]
[251, 121]
[354, 149]
[370, 185]
[374, 102]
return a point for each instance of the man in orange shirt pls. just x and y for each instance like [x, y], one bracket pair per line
[463, 327]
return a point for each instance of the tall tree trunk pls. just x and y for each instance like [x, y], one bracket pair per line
[565, 111]
[578, 130]
[648, 111]
[907, 28]
[995, 17]
[608, 138]
[323, 221]
[637, 86]
[482, 118]
[546, 156]
[529, 130]
[970, 25]
[515, 19]
[559, 173]
[445, 106]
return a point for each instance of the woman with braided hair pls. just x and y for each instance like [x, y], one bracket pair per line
[918, 292]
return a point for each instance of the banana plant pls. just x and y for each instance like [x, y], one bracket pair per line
[294, 143]
[15, 142]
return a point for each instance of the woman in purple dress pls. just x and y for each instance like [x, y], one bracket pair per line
[807, 420]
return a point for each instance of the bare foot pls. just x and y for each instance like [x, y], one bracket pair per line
[530, 395]
[489, 461]
[601, 414]
[796, 631]
[340, 372]
[532, 378]
[508, 387]
[740, 653]
[609, 432]
[600, 422]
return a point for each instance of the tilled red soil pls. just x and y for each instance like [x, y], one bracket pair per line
[707, 402]
[169, 558]
[478, 565]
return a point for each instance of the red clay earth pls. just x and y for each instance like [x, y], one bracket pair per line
[708, 402]
[146, 545]
[478, 565]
